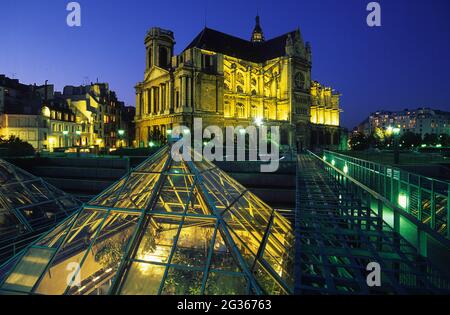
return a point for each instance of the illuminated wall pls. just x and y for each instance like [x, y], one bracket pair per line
[324, 105]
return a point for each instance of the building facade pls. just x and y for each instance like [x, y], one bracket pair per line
[228, 81]
[420, 121]
[83, 116]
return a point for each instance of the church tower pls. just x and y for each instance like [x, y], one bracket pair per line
[257, 35]
[159, 45]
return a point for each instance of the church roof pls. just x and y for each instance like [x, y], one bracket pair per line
[169, 226]
[232, 46]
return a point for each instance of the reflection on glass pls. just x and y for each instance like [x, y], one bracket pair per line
[193, 242]
[220, 283]
[143, 279]
[158, 239]
[183, 282]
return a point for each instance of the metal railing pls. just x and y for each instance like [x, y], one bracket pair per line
[426, 199]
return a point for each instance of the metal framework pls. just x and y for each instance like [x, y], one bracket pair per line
[338, 235]
[167, 227]
[28, 207]
[424, 198]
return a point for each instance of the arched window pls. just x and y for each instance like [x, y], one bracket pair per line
[240, 110]
[240, 78]
[254, 83]
[254, 92]
[226, 87]
[239, 89]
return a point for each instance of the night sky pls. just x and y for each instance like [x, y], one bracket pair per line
[403, 64]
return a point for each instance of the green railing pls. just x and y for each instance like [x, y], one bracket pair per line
[424, 198]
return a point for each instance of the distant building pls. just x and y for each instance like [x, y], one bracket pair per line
[229, 81]
[80, 116]
[420, 121]
[99, 111]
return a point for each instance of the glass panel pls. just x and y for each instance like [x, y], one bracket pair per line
[220, 283]
[28, 270]
[268, 283]
[56, 236]
[183, 282]
[174, 194]
[155, 163]
[193, 242]
[157, 243]
[222, 258]
[137, 191]
[69, 257]
[102, 261]
[143, 279]
[108, 197]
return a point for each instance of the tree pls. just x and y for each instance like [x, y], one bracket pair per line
[430, 139]
[359, 141]
[16, 147]
[409, 139]
[444, 139]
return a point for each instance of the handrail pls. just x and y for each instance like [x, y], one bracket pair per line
[396, 209]
[385, 165]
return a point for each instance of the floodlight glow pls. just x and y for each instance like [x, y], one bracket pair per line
[258, 121]
[345, 169]
[402, 200]
[324, 158]
[151, 144]
[65, 132]
[121, 132]
[333, 162]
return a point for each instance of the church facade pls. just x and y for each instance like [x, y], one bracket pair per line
[229, 81]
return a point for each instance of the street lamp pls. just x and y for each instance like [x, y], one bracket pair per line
[121, 133]
[396, 132]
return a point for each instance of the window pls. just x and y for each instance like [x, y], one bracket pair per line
[239, 89]
[163, 57]
[240, 110]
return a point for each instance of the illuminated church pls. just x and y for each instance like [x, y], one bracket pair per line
[229, 81]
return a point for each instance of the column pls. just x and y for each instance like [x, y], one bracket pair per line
[170, 96]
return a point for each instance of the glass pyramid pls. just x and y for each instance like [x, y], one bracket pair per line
[29, 205]
[167, 227]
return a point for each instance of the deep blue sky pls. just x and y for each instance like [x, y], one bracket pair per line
[403, 64]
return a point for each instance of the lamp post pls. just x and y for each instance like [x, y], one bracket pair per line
[121, 133]
[396, 132]
[65, 133]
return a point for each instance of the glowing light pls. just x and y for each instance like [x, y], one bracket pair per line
[324, 158]
[151, 144]
[78, 132]
[121, 132]
[169, 132]
[396, 131]
[345, 169]
[333, 162]
[402, 200]
[258, 121]
[242, 131]
[65, 132]
[439, 146]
